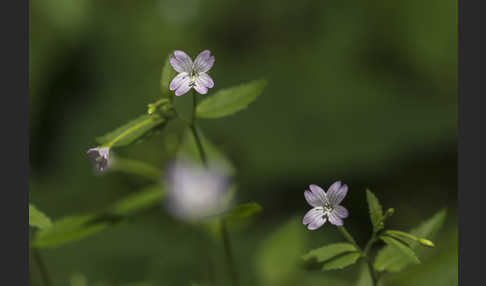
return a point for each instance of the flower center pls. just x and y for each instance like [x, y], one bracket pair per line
[192, 76]
[327, 208]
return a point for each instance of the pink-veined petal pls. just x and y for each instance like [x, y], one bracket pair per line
[205, 80]
[200, 88]
[178, 80]
[340, 211]
[183, 88]
[312, 199]
[204, 61]
[319, 193]
[181, 62]
[317, 223]
[336, 195]
[312, 214]
[334, 219]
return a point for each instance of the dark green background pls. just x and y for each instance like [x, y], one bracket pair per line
[359, 91]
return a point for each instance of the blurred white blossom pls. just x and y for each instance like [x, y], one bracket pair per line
[195, 192]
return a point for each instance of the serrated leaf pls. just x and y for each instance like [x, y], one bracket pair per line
[342, 261]
[327, 252]
[402, 247]
[37, 218]
[74, 228]
[242, 211]
[216, 158]
[392, 260]
[228, 101]
[168, 73]
[375, 210]
[131, 131]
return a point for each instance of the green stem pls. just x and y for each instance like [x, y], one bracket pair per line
[229, 254]
[349, 238]
[364, 253]
[195, 133]
[224, 231]
[42, 267]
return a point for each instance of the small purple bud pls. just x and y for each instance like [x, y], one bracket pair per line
[99, 157]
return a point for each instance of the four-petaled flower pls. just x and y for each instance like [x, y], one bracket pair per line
[325, 205]
[99, 157]
[191, 74]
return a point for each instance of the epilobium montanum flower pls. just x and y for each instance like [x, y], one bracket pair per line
[195, 192]
[325, 205]
[99, 157]
[191, 74]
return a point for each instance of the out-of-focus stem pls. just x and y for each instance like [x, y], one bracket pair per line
[229, 253]
[46, 279]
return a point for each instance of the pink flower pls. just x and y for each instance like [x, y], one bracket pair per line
[325, 205]
[191, 74]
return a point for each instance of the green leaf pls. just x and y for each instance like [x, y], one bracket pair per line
[138, 201]
[74, 228]
[391, 259]
[242, 211]
[135, 167]
[342, 261]
[37, 218]
[168, 73]
[228, 101]
[132, 131]
[376, 211]
[327, 252]
[69, 229]
[402, 247]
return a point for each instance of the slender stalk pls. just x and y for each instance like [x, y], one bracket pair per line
[195, 133]
[229, 254]
[349, 238]
[46, 279]
[224, 231]
[364, 253]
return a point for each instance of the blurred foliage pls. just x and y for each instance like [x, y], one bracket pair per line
[364, 92]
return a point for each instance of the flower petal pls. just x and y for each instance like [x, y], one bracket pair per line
[204, 61]
[319, 193]
[334, 219]
[199, 87]
[184, 87]
[340, 211]
[312, 214]
[337, 194]
[317, 223]
[312, 199]
[205, 80]
[181, 62]
[177, 81]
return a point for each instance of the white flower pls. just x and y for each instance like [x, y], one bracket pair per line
[191, 74]
[99, 157]
[194, 192]
[325, 205]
